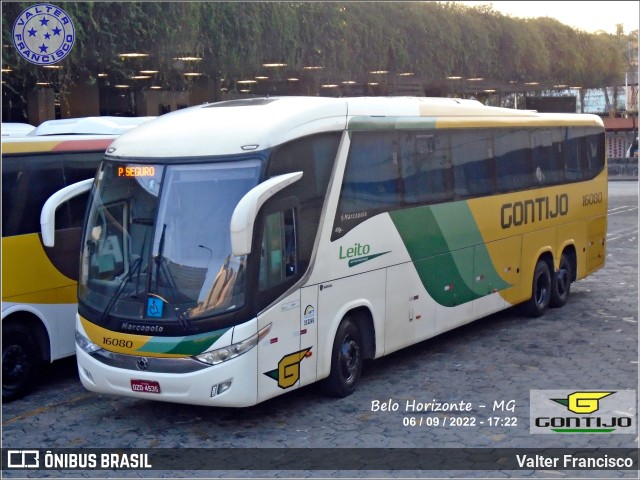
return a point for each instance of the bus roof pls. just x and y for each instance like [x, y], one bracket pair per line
[56, 143]
[14, 129]
[89, 126]
[239, 126]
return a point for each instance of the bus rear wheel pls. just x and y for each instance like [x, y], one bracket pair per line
[20, 361]
[346, 360]
[561, 284]
[538, 304]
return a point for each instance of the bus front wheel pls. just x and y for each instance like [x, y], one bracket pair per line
[20, 361]
[346, 360]
[538, 304]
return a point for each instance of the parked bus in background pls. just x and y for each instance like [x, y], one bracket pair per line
[238, 250]
[12, 129]
[39, 284]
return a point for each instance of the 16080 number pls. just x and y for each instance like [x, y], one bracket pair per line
[117, 342]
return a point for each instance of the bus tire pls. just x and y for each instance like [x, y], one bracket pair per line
[538, 304]
[20, 361]
[347, 357]
[561, 284]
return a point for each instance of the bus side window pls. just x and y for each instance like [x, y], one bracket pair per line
[278, 260]
[573, 154]
[473, 164]
[427, 175]
[594, 155]
[546, 153]
[372, 177]
[513, 171]
[584, 156]
[27, 182]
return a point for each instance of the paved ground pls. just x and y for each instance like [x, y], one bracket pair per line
[591, 343]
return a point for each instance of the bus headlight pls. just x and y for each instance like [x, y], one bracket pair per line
[85, 344]
[220, 355]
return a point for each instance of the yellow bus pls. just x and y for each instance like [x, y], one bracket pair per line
[239, 250]
[38, 283]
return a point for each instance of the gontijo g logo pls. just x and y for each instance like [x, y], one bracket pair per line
[556, 411]
[583, 402]
[43, 34]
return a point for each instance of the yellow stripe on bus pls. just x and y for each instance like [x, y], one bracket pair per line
[28, 147]
[489, 122]
[127, 343]
[116, 341]
[29, 276]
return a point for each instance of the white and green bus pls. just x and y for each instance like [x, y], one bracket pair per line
[238, 250]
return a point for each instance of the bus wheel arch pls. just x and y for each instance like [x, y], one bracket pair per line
[353, 342]
[25, 347]
[541, 285]
[563, 277]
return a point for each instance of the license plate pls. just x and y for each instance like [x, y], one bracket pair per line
[145, 386]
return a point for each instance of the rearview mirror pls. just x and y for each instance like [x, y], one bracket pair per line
[245, 213]
[48, 213]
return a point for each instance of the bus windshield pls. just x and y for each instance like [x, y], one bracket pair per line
[157, 242]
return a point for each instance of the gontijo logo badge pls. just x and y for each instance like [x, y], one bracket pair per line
[583, 402]
[583, 411]
[43, 34]
[288, 371]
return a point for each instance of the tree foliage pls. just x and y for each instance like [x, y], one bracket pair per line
[348, 39]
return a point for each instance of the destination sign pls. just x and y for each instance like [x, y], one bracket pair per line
[138, 171]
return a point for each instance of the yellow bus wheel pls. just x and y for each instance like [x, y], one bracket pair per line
[561, 284]
[538, 304]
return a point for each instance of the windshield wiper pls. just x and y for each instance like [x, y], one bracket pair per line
[134, 267]
[161, 268]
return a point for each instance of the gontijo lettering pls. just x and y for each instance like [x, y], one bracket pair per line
[531, 211]
[130, 171]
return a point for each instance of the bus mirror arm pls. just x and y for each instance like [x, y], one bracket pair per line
[246, 212]
[48, 213]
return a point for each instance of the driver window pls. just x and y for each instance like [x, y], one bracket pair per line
[278, 261]
[108, 240]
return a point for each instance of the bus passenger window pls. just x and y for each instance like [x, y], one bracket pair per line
[426, 169]
[278, 261]
[573, 153]
[472, 154]
[546, 156]
[371, 178]
[513, 171]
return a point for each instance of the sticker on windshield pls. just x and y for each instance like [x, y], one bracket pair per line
[154, 307]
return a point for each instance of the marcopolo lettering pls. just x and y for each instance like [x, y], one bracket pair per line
[531, 211]
[130, 327]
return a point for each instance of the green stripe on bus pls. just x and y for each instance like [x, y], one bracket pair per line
[391, 123]
[445, 244]
[583, 430]
[191, 345]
